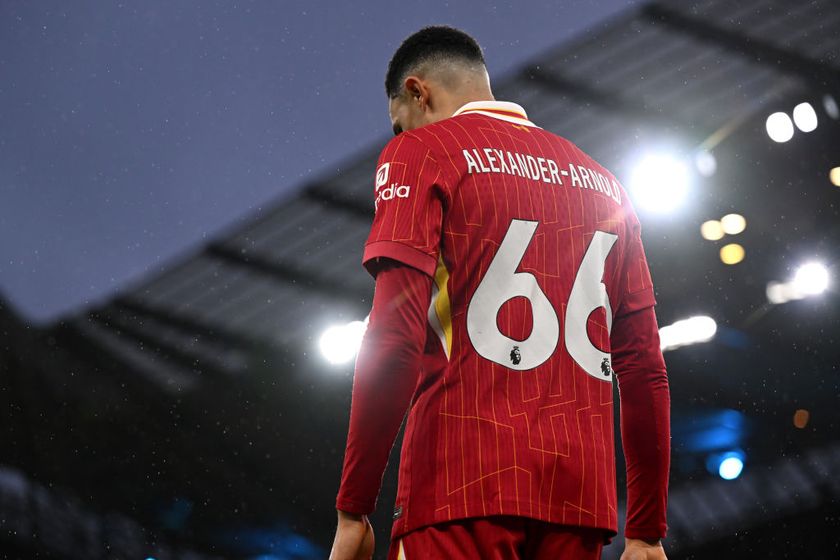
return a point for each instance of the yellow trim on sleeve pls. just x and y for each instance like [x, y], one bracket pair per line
[442, 304]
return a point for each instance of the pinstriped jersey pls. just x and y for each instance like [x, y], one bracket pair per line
[534, 248]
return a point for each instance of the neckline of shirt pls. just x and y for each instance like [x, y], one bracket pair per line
[504, 110]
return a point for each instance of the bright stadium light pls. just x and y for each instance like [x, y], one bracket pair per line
[830, 106]
[779, 127]
[731, 468]
[811, 279]
[732, 253]
[728, 465]
[733, 224]
[687, 331]
[705, 162]
[805, 117]
[712, 230]
[660, 183]
[340, 343]
[834, 176]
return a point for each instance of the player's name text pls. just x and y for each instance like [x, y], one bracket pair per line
[491, 160]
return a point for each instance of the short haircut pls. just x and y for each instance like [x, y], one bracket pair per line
[439, 42]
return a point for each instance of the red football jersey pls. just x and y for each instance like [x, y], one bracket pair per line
[534, 247]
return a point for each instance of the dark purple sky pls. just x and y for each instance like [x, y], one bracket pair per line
[132, 133]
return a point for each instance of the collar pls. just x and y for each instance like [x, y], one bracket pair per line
[504, 110]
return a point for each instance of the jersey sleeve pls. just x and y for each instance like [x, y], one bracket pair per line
[409, 196]
[636, 283]
[386, 373]
[645, 421]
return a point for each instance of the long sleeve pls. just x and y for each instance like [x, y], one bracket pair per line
[645, 421]
[387, 369]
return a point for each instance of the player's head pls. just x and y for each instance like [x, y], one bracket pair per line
[433, 73]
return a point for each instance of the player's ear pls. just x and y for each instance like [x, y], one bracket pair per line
[418, 92]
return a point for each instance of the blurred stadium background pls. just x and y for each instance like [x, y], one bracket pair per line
[201, 412]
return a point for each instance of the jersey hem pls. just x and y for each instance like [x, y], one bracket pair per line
[351, 506]
[399, 252]
[658, 532]
[401, 527]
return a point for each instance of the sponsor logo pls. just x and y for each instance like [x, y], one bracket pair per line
[382, 175]
[386, 189]
[395, 190]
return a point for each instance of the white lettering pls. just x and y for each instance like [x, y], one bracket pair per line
[484, 168]
[584, 175]
[395, 190]
[533, 168]
[513, 165]
[471, 164]
[523, 165]
[501, 155]
[491, 160]
[543, 170]
[616, 194]
[574, 175]
[552, 165]
[494, 160]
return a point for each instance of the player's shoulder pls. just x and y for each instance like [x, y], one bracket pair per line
[404, 144]
[578, 155]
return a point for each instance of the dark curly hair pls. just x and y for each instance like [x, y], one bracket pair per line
[439, 41]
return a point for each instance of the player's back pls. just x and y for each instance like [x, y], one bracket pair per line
[537, 250]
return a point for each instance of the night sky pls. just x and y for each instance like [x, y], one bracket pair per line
[131, 134]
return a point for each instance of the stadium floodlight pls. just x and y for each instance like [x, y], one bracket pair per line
[834, 176]
[705, 162]
[811, 279]
[660, 183]
[779, 127]
[712, 230]
[687, 331]
[805, 117]
[733, 224]
[728, 464]
[732, 253]
[340, 343]
[830, 106]
[731, 467]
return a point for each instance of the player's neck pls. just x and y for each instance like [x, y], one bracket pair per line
[458, 101]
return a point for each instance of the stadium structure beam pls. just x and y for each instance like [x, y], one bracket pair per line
[318, 194]
[557, 83]
[192, 326]
[278, 271]
[759, 51]
[179, 358]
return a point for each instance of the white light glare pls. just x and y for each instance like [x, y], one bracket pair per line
[779, 127]
[805, 117]
[810, 279]
[731, 468]
[340, 343]
[830, 106]
[705, 162]
[660, 183]
[687, 331]
[733, 224]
